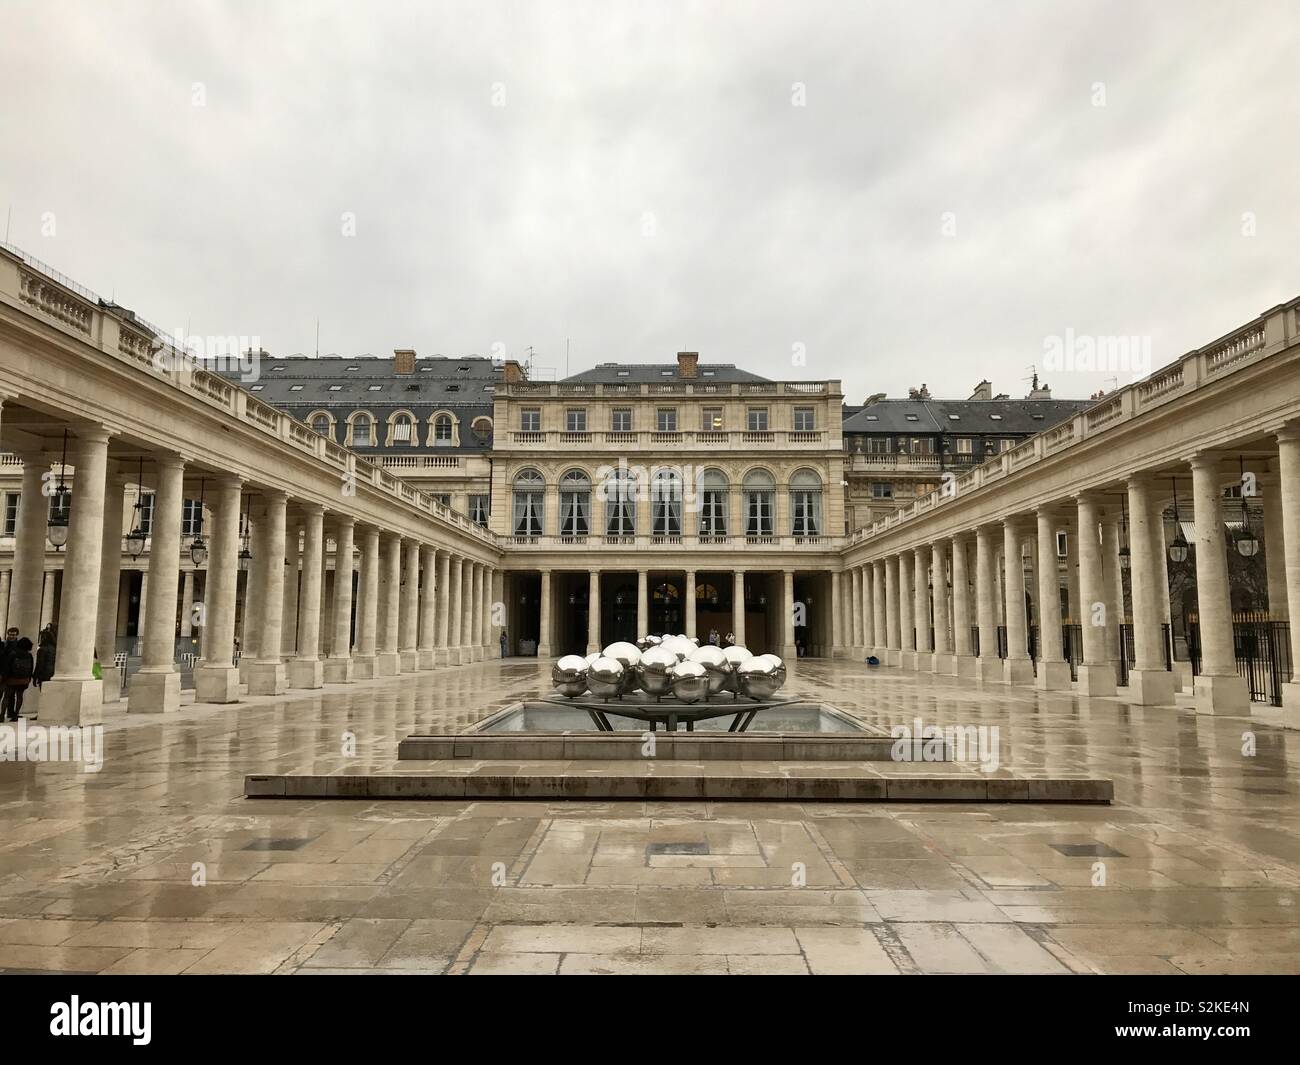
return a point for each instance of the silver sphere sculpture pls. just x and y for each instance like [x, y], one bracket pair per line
[569, 675]
[778, 665]
[606, 678]
[654, 671]
[715, 665]
[629, 656]
[690, 682]
[756, 679]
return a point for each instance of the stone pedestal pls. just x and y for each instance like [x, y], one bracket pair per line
[216, 684]
[267, 678]
[112, 682]
[425, 658]
[1291, 704]
[72, 702]
[943, 663]
[1053, 677]
[1017, 671]
[892, 656]
[989, 670]
[441, 656]
[1097, 679]
[363, 667]
[388, 664]
[306, 673]
[154, 693]
[410, 661]
[1221, 694]
[967, 666]
[338, 670]
[1149, 687]
[910, 660]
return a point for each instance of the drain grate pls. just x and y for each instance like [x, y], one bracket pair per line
[677, 848]
[1087, 850]
[282, 843]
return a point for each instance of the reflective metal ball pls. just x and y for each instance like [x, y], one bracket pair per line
[715, 664]
[690, 682]
[569, 675]
[756, 679]
[737, 654]
[629, 656]
[679, 646]
[778, 665]
[606, 677]
[653, 671]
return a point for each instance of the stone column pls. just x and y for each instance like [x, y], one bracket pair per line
[906, 613]
[29, 548]
[490, 648]
[110, 583]
[1072, 583]
[788, 649]
[989, 666]
[878, 616]
[866, 610]
[338, 667]
[857, 621]
[841, 634]
[893, 646]
[1113, 582]
[642, 602]
[466, 615]
[544, 616]
[267, 675]
[454, 650]
[5, 578]
[363, 662]
[1053, 670]
[48, 597]
[388, 661]
[1218, 689]
[1097, 671]
[307, 670]
[442, 654]
[1274, 551]
[497, 612]
[156, 687]
[921, 607]
[690, 603]
[475, 640]
[593, 613]
[216, 679]
[293, 560]
[426, 656]
[74, 696]
[1149, 683]
[1288, 446]
[944, 661]
[1017, 668]
[187, 603]
[738, 607]
[410, 613]
[966, 665]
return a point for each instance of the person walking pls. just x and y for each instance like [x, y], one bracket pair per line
[19, 666]
[45, 655]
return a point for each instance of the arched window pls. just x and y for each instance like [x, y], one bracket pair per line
[442, 429]
[760, 492]
[322, 424]
[805, 503]
[666, 503]
[713, 503]
[620, 502]
[575, 504]
[482, 429]
[530, 489]
[401, 429]
[363, 430]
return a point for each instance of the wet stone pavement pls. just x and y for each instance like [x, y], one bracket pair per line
[158, 864]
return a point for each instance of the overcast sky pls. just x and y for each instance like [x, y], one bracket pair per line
[901, 192]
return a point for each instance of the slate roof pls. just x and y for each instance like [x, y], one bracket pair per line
[613, 373]
[299, 385]
[974, 416]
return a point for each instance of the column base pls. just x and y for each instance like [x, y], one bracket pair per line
[1149, 687]
[907, 660]
[424, 658]
[244, 663]
[154, 693]
[410, 661]
[363, 667]
[892, 656]
[267, 678]
[1291, 704]
[112, 682]
[1053, 677]
[790, 653]
[70, 701]
[593, 649]
[543, 652]
[1182, 675]
[338, 669]
[441, 657]
[943, 663]
[306, 673]
[216, 684]
[1225, 693]
[388, 664]
[1017, 671]
[988, 670]
[966, 666]
[1097, 679]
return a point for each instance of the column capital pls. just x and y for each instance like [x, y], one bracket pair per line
[307, 509]
[1203, 460]
[93, 434]
[1289, 433]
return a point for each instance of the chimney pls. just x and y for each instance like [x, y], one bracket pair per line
[403, 361]
[983, 390]
[1041, 390]
[875, 397]
[514, 372]
[688, 364]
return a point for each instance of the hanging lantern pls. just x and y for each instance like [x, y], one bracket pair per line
[56, 528]
[1178, 547]
[1246, 541]
[134, 541]
[199, 549]
[1125, 555]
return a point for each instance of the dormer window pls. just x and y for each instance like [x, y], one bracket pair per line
[373, 388]
[912, 418]
[336, 388]
[954, 417]
[623, 373]
[996, 417]
[295, 388]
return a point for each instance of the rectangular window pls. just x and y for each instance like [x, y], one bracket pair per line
[528, 513]
[879, 445]
[666, 419]
[443, 497]
[480, 509]
[756, 419]
[964, 445]
[758, 513]
[806, 512]
[575, 420]
[191, 517]
[620, 420]
[711, 420]
[804, 419]
[882, 490]
[146, 513]
[1062, 543]
[530, 420]
[402, 431]
[620, 511]
[575, 513]
[11, 513]
[666, 508]
[713, 513]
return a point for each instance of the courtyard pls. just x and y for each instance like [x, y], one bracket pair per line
[158, 864]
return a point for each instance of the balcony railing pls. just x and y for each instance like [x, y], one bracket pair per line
[652, 542]
[680, 388]
[711, 438]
